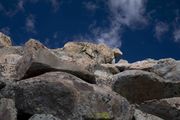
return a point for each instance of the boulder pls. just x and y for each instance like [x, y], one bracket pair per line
[5, 41]
[168, 108]
[168, 69]
[138, 86]
[7, 109]
[98, 53]
[68, 97]
[38, 59]
[140, 115]
[43, 117]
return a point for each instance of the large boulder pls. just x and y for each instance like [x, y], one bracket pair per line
[7, 109]
[91, 52]
[168, 69]
[67, 97]
[138, 86]
[5, 41]
[168, 108]
[38, 59]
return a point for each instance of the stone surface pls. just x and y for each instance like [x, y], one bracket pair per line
[168, 109]
[5, 41]
[138, 86]
[43, 117]
[38, 59]
[68, 97]
[139, 115]
[7, 109]
[168, 69]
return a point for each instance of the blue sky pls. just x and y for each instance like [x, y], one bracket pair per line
[140, 28]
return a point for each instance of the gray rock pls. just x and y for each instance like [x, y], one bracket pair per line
[168, 109]
[43, 117]
[69, 98]
[140, 115]
[7, 109]
[138, 86]
[38, 60]
[168, 69]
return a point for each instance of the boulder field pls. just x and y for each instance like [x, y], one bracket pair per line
[82, 81]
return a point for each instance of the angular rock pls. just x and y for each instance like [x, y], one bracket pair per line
[5, 41]
[99, 53]
[139, 115]
[43, 117]
[168, 69]
[168, 109]
[138, 86]
[38, 59]
[68, 97]
[7, 109]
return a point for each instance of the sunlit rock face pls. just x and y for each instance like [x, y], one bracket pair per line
[81, 81]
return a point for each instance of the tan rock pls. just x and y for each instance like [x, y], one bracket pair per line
[5, 41]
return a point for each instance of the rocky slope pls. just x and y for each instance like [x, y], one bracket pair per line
[81, 81]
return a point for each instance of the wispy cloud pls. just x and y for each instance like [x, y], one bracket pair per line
[5, 30]
[176, 34]
[30, 24]
[123, 13]
[55, 5]
[160, 29]
[90, 6]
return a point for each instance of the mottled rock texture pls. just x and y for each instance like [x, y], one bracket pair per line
[82, 81]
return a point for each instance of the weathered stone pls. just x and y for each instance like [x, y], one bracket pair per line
[12, 50]
[38, 59]
[138, 86]
[5, 41]
[168, 69]
[140, 115]
[7, 109]
[43, 117]
[100, 53]
[8, 65]
[69, 98]
[117, 52]
[168, 109]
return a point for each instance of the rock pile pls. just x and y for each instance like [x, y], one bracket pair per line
[81, 81]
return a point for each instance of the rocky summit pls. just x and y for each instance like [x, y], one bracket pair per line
[81, 81]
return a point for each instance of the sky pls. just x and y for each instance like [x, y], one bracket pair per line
[140, 28]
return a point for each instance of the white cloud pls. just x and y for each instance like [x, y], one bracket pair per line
[129, 13]
[30, 24]
[177, 35]
[160, 29]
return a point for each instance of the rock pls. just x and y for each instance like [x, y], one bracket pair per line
[5, 41]
[12, 50]
[2, 84]
[69, 98]
[139, 115]
[38, 59]
[168, 109]
[168, 69]
[138, 86]
[100, 53]
[117, 52]
[43, 117]
[7, 109]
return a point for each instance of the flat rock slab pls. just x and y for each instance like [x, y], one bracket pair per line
[138, 86]
[68, 97]
[38, 60]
